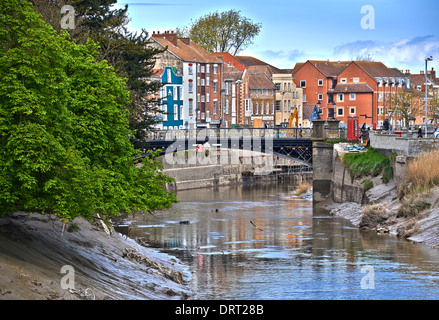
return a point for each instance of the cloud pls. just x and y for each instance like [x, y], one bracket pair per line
[409, 53]
[282, 58]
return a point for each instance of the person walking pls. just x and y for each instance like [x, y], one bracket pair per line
[420, 132]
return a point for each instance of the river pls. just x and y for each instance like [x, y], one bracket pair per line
[263, 242]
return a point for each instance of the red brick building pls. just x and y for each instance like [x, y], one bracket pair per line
[349, 88]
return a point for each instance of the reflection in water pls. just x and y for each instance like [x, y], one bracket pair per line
[292, 253]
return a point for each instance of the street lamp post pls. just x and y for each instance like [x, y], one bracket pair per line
[426, 60]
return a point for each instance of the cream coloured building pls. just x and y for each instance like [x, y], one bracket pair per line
[288, 97]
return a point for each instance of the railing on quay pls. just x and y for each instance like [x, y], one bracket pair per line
[224, 133]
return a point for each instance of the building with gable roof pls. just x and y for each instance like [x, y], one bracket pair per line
[350, 88]
[201, 78]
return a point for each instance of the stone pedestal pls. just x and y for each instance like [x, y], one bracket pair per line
[318, 130]
[333, 131]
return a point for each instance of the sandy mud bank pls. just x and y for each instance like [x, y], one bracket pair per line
[39, 260]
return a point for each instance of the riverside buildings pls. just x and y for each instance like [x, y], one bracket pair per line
[203, 89]
[198, 82]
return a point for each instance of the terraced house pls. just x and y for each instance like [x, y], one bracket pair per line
[350, 88]
[198, 102]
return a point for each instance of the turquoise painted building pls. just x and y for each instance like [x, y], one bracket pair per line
[172, 94]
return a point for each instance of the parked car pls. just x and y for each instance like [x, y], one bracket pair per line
[436, 133]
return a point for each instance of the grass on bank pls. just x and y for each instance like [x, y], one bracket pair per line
[423, 172]
[367, 163]
[303, 187]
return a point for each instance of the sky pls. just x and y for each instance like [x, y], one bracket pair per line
[400, 33]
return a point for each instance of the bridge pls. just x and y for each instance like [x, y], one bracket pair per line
[292, 143]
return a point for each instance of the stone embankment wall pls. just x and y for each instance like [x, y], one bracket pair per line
[213, 168]
[343, 189]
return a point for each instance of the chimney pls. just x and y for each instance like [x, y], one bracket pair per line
[168, 35]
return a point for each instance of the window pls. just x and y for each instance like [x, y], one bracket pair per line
[202, 69]
[320, 82]
[191, 86]
[215, 69]
[198, 68]
[203, 115]
[285, 106]
[215, 86]
[303, 83]
[203, 82]
[215, 106]
[207, 97]
[285, 86]
[304, 97]
[267, 105]
[175, 93]
[266, 92]
[356, 80]
[226, 109]
[207, 114]
[380, 97]
[289, 87]
[343, 80]
[352, 96]
[351, 110]
[277, 86]
[191, 107]
[207, 81]
[320, 96]
[340, 112]
[277, 105]
[181, 93]
[256, 108]
[262, 108]
[203, 98]
[207, 68]
[272, 108]
[169, 75]
[190, 69]
[340, 97]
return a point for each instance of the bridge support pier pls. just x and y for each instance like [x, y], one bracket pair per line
[322, 158]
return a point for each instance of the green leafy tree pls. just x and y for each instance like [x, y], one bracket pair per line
[64, 146]
[226, 31]
[125, 50]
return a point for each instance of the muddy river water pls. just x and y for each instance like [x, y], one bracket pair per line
[263, 242]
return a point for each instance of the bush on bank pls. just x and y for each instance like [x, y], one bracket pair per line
[64, 137]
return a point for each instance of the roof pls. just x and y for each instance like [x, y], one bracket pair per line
[375, 69]
[255, 62]
[227, 57]
[330, 68]
[297, 67]
[326, 67]
[307, 111]
[260, 81]
[352, 88]
[187, 50]
[398, 73]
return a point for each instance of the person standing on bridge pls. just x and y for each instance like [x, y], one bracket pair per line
[300, 131]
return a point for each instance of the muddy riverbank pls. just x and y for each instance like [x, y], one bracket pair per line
[40, 259]
[417, 220]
